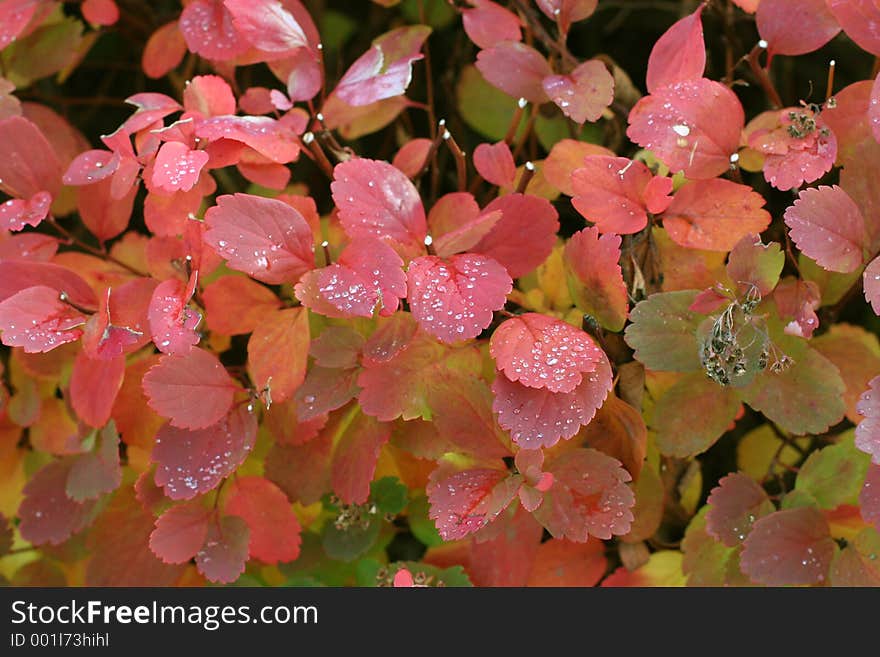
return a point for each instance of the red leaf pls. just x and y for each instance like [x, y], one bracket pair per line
[595, 278]
[28, 246]
[15, 15]
[506, 557]
[209, 95]
[462, 414]
[274, 527]
[826, 224]
[566, 12]
[266, 24]
[325, 390]
[860, 20]
[788, 548]
[263, 237]
[798, 300]
[543, 352]
[714, 214]
[119, 325]
[680, 54]
[816, 25]
[236, 304]
[98, 471]
[192, 462]
[337, 346]
[208, 30]
[29, 164]
[177, 167]
[871, 279]
[47, 515]
[355, 453]
[193, 390]
[515, 68]
[868, 430]
[100, 12]
[377, 200]
[537, 417]
[392, 335]
[692, 125]
[488, 23]
[301, 471]
[367, 277]
[223, 557]
[869, 497]
[411, 157]
[172, 322]
[164, 51]
[37, 320]
[566, 156]
[278, 352]
[466, 501]
[524, 236]
[589, 497]
[457, 225]
[15, 214]
[105, 216]
[495, 163]
[454, 299]
[180, 532]
[563, 563]
[734, 505]
[94, 385]
[18, 276]
[609, 191]
[385, 70]
[583, 94]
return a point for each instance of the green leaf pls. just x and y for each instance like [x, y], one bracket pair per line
[336, 29]
[438, 13]
[805, 398]
[693, 414]
[389, 495]
[47, 50]
[350, 543]
[858, 564]
[422, 527]
[484, 108]
[834, 475]
[663, 332]
[797, 499]
[707, 561]
[832, 285]
[433, 576]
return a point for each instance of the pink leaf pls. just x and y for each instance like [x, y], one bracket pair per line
[194, 390]
[385, 70]
[377, 200]
[860, 20]
[208, 30]
[367, 277]
[270, 138]
[15, 214]
[47, 514]
[515, 68]
[455, 299]
[488, 23]
[734, 505]
[537, 417]
[412, 156]
[868, 430]
[457, 225]
[871, 280]
[788, 548]
[90, 167]
[274, 527]
[105, 216]
[29, 163]
[524, 236]
[190, 463]
[583, 94]
[589, 497]
[827, 225]
[225, 552]
[609, 191]
[94, 384]
[495, 163]
[595, 278]
[266, 24]
[119, 326]
[28, 246]
[869, 497]
[680, 54]
[180, 532]
[464, 502]
[566, 12]
[543, 352]
[172, 322]
[100, 12]
[209, 95]
[714, 214]
[263, 237]
[816, 25]
[14, 18]
[37, 320]
[798, 300]
[305, 78]
[18, 276]
[874, 108]
[693, 126]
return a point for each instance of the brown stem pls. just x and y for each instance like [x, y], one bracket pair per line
[460, 161]
[763, 76]
[100, 253]
[534, 25]
[317, 153]
[527, 175]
